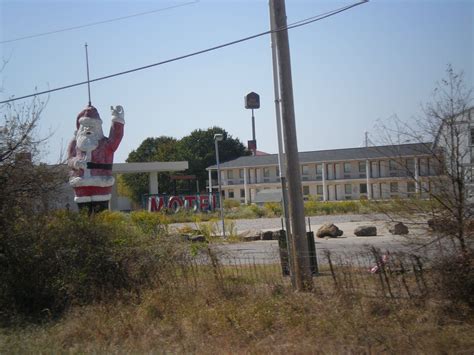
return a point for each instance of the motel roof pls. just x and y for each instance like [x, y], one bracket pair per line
[333, 155]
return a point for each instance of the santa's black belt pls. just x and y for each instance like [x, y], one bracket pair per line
[99, 166]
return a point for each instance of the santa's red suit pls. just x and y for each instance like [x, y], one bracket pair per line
[90, 155]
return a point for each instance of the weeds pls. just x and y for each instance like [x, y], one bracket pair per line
[234, 210]
[128, 291]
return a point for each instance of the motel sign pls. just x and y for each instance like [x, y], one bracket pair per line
[196, 203]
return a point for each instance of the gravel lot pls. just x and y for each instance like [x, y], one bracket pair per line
[253, 226]
[347, 245]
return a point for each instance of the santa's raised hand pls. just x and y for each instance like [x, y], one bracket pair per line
[118, 115]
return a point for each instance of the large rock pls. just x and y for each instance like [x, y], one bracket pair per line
[441, 224]
[197, 238]
[366, 231]
[267, 235]
[251, 238]
[399, 229]
[329, 230]
[276, 234]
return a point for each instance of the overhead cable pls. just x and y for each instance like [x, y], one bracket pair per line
[290, 26]
[98, 22]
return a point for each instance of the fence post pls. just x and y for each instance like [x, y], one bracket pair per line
[313, 261]
[283, 248]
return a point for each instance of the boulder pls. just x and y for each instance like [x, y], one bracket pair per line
[366, 231]
[399, 229]
[440, 224]
[329, 230]
[197, 239]
[251, 238]
[268, 235]
[276, 234]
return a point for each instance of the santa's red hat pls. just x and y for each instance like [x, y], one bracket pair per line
[90, 112]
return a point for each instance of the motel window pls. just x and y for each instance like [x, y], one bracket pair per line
[472, 136]
[362, 167]
[266, 172]
[319, 169]
[432, 167]
[304, 169]
[231, 193]
[411, 166]
[319, 189]
[411, 187]
[394, 187]
[363, 188]
[348, 189]
[392, 165]
[347, 167]
[305, 190]
[242, 193]
[230, 174]
[277, 171]
[241, 173]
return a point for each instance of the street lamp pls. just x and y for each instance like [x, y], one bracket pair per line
[252, 101]
[217, 138]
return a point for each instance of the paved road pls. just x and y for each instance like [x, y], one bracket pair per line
[354, 249]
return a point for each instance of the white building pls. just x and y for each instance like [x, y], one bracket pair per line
[379, 172]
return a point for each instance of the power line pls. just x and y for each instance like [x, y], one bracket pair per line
[98, 22]
[300, 23]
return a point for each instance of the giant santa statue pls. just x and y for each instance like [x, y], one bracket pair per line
[90, 156]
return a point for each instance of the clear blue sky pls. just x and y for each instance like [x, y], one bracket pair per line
[376, 60]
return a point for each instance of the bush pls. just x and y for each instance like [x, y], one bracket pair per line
[257, 211]
[313, 207]
[50, 262]
[454, 276]
[150, 222]
[272, 209]
[228, 204]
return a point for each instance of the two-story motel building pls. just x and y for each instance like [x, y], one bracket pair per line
[377, 172]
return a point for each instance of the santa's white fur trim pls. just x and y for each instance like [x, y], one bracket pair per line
[89, 119]
[116, 119]
[97, 181]
[95, 198]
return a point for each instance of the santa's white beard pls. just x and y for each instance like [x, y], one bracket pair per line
[87, 142]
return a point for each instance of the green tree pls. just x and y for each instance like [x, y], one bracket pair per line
[199, 150]
[152, 149]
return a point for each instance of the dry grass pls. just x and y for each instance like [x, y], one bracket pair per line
[251, 309]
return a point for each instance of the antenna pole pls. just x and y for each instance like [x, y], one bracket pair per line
[88, 79]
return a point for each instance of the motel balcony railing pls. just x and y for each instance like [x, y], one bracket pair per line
[318, 177]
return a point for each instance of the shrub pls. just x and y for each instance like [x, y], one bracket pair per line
[454, 276]
[313, 207]
[244, 211]
[257, 211]
[150, 222]
[228, 204]
[50, 262]
[272, 209]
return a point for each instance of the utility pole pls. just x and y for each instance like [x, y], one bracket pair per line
[299, 240]
[367, 168]
[281, 162]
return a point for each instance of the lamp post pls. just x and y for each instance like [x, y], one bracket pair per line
[217, 138]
